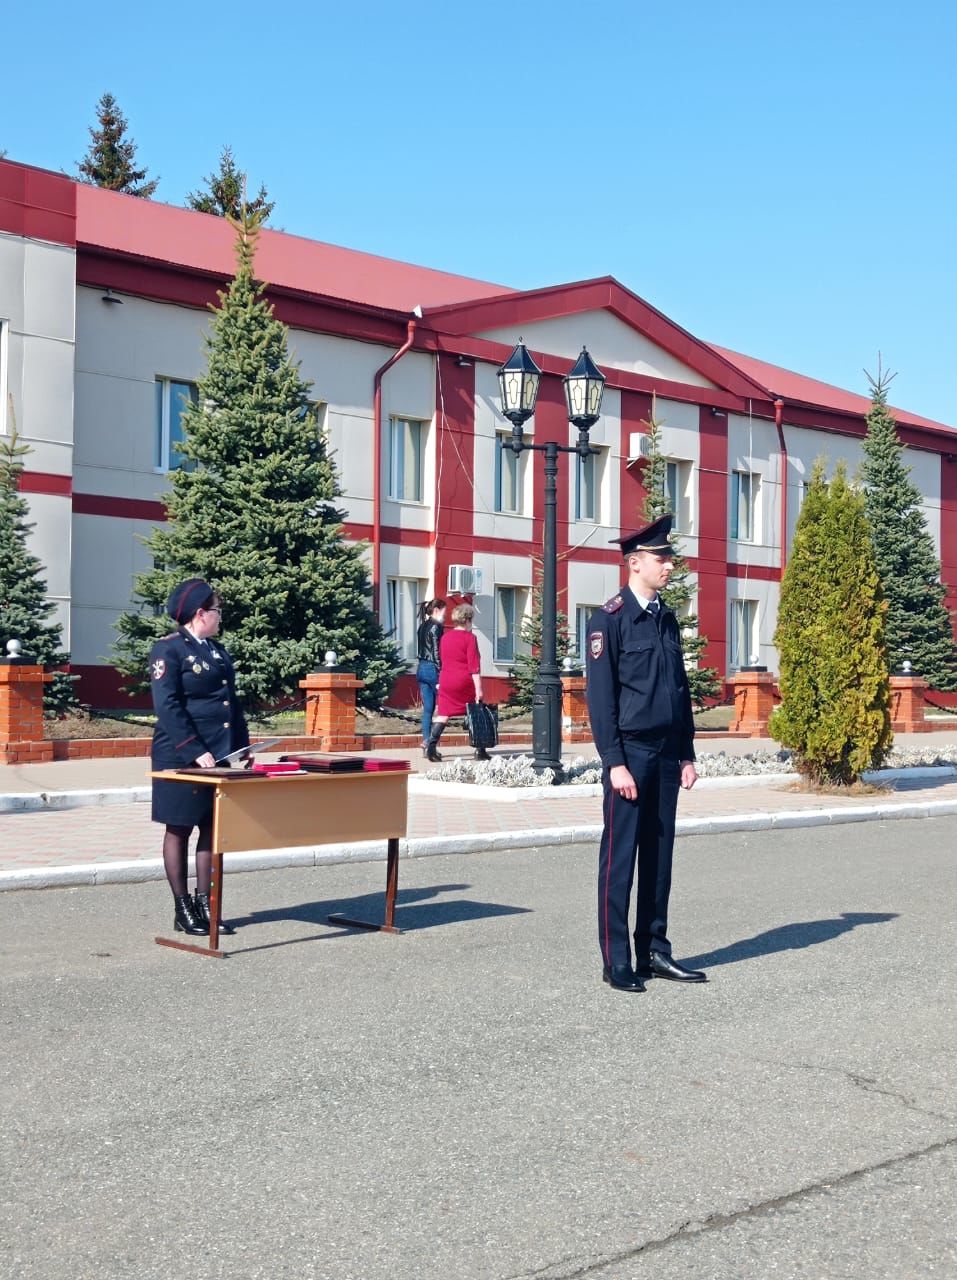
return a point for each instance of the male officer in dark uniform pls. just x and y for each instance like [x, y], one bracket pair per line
[640, 708]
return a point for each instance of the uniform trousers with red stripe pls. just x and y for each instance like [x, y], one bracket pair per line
[639, 835]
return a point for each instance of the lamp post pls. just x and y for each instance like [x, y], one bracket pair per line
[519, 379]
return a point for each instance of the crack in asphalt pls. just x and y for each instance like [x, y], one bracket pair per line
[718, 1221]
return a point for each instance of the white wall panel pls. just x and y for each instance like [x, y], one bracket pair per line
[49, 277]
[611, 343]
[12, 254]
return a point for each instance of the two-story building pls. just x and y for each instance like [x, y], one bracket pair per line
[103, 308]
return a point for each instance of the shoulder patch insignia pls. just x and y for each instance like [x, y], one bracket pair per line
[159, 669]
[596, 644]
[614, 604]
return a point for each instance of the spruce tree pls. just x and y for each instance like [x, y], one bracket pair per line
[224, 192]
[256, 516]
[703, 681]
[111, 158]
[835, 689]
[918, 623]
[524, 671]
[24, 607]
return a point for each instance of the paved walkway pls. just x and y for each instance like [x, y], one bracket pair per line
[116, 841]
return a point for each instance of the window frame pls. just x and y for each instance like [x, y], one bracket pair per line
[583, 615]
[393, 472]
[749, 609]
[515, 460]
[597, 462]
[750, 506]
[4, 375]
[394, 617]
[520, 596]
[163, 385]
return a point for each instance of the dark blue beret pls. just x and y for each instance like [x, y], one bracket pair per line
[185, 599]
[653, 537]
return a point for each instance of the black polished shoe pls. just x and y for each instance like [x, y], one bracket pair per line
[201, 907]
[662, 966]
[623, 977]
[482, 754]
[185, 919]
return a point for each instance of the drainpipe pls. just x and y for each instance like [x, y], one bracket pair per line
[377, 462]
[778, 416]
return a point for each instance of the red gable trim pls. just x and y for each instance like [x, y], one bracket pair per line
[605, 293]
[37, 204]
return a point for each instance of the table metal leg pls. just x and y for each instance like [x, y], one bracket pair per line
[391, 888]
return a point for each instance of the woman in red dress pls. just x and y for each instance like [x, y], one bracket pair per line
[460, 679]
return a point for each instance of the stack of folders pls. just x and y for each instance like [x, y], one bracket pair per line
[383, 764]
[325, 764]
[277, 768]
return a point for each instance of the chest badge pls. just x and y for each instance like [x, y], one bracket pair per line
[205, 666]
[159, 669]
[197, 669]
[596, 644]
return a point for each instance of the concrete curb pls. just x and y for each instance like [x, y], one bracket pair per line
[52, 801]
[133, 872]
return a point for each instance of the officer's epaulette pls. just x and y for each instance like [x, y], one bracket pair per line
[172, 636]
[614, 604]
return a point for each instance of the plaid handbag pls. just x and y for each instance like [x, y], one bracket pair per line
[481, 720]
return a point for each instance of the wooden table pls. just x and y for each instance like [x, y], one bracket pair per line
[300, 809]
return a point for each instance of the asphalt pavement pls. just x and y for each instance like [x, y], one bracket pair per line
[468, 1100]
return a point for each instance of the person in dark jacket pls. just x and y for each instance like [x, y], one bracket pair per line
[639, 703]
[198, 721]
[431, 626]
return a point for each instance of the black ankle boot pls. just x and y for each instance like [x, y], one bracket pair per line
[481, 754]
[186, 920]
[201, 905]
[431, 750]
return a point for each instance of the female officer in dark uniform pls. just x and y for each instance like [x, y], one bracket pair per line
[198, 721]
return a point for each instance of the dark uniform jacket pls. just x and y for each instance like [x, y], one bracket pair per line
[194, 696]
[637, 686]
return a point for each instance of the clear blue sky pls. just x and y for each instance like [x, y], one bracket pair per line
[779, 179]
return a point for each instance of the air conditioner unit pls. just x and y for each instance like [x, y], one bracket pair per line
[639, 447]
[465, 579]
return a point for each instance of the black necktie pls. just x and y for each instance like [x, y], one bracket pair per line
[654, 608]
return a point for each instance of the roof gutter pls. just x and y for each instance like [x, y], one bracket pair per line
[783, 454]
[377, 462]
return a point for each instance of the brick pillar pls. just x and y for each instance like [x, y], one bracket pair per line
[576, 726]
[907, 705]
[331, 709]
[21, 714]
[753, 702]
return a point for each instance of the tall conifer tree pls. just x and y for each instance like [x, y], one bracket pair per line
[224, 192]
[254, 512]
[110, 160]
[918, 624]
[25, 608]
[835, 688]
[524, 672]
[679, 593]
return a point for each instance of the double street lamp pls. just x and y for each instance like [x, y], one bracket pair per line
[519, 379]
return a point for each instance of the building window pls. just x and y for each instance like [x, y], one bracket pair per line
[172, 397]
[583, 615]
[402, 604]
[744, 499]
[509, 610]
[406, 448]
[5, 426]
[588, 473]
[743, 633]
[509, 477]
[677, 485]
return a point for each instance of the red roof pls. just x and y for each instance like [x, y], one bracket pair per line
[796, 387]
[165, 233]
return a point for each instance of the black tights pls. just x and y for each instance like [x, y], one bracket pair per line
[176, 860]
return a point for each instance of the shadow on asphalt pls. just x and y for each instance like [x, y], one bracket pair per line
[788, 937]
[415, 909]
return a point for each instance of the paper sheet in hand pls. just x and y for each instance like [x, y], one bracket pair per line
[243, 752]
